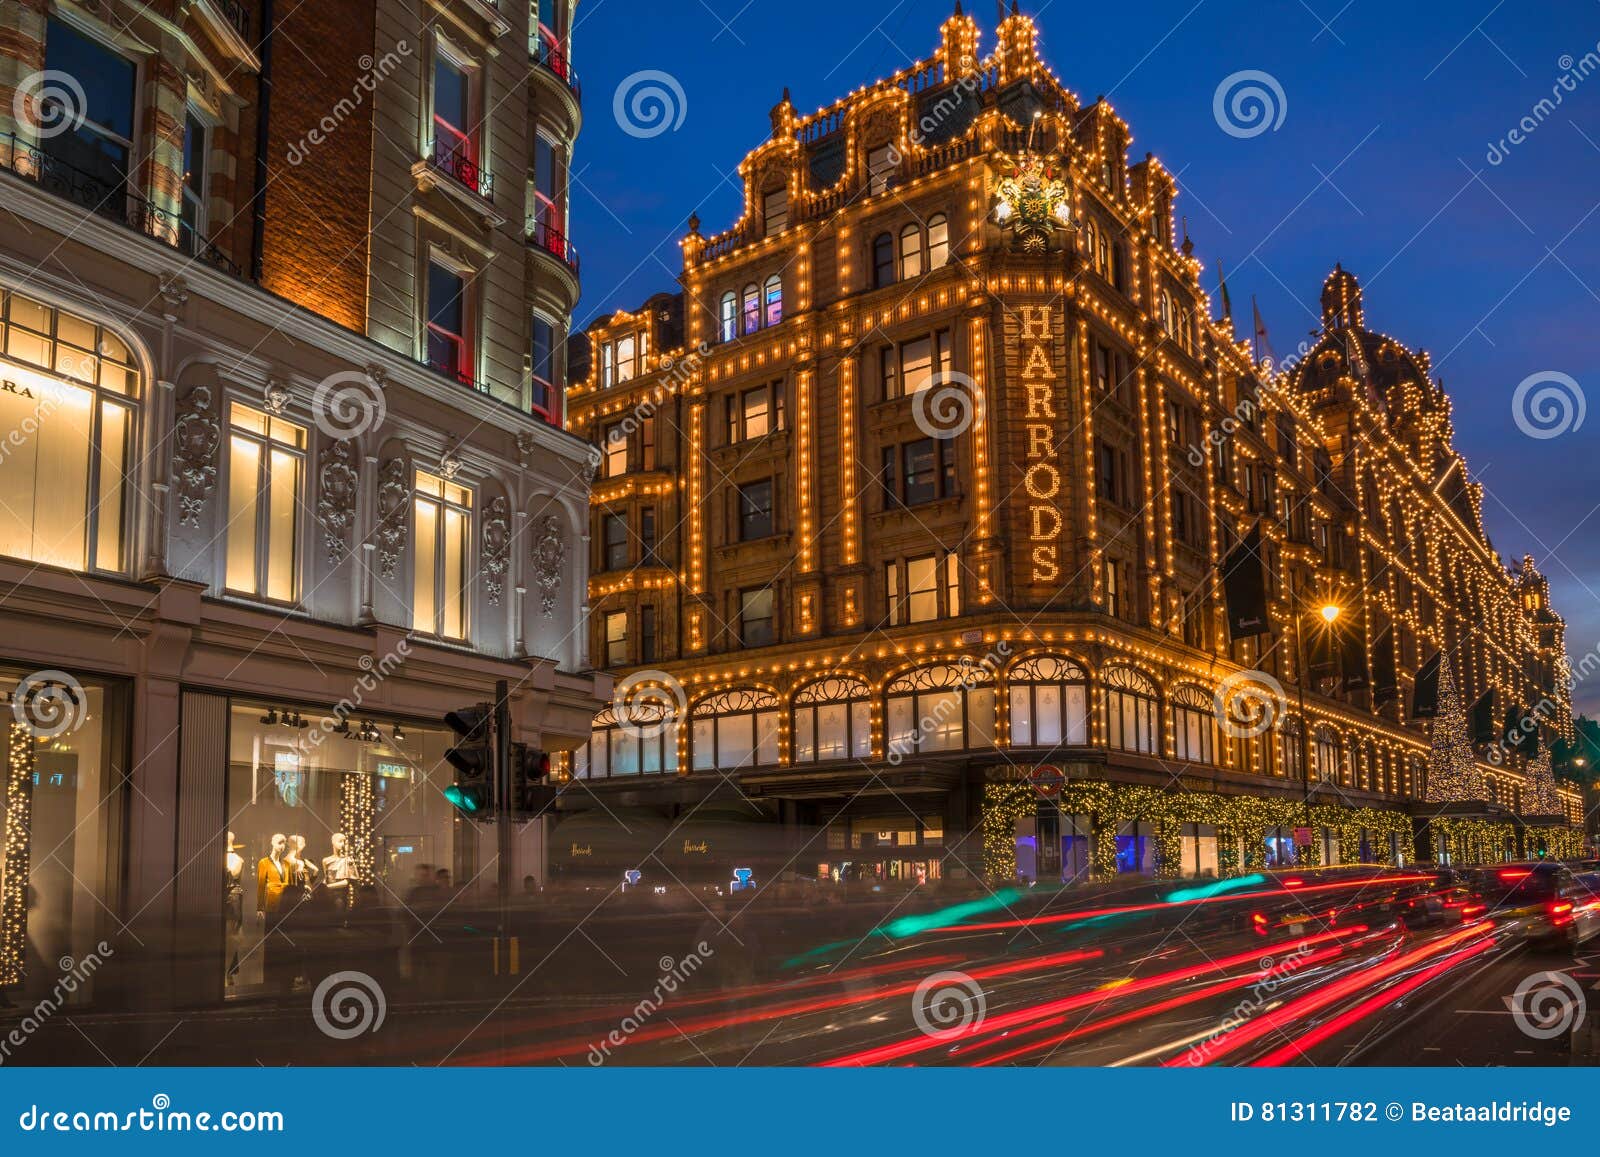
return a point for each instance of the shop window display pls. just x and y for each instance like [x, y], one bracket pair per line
[334, 825]
[66, 742]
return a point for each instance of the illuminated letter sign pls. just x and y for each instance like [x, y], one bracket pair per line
[1041, 465]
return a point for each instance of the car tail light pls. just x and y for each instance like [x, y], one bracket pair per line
[1561, 913]
[1258, 921]
[1473, 911]
[1512, 875]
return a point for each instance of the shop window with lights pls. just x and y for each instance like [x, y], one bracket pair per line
[832, 719]
[646, 745]
[1194, 725]
[734, 729]
[91, 162]
[943, 707]
[1128, 711]
[68, 486]
[1328, 755]
[61, 768]
[443, 537]
[333, 816]
[449, 343]
[1049, 702]
[266, 471]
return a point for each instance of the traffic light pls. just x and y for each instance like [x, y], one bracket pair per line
[530, 767]
[473, 759]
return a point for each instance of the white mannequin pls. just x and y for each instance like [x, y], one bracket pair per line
[338, 870]
[304, 873]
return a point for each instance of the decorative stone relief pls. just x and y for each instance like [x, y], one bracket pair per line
[496, 544]
[196, 436]
[336, 498]
[276, 395]
[549, 560]
[449, 465]
[394, 520]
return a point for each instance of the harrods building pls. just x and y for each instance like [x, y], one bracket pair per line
[910, 542]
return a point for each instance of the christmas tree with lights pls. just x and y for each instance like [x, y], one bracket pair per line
[1542, 799]
[1453, 773]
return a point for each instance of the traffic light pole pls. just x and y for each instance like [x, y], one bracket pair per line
[503, 799]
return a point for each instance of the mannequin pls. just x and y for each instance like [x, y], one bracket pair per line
[233, 903]
[338, 873]
[305, 873]
[274, 884]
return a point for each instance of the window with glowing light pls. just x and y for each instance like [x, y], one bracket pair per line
[734, 729]
[616, 638]
[448, 343]
[442, 511]
[728, 316]
[266, 471]
[910, 252]
[1194, 725]
[943, 707]
[772, 295]
[752, 308]
[882, 162]
[1128, 711]
[1049, 698]
[647, 745]
[614, 451]
[75, 385]
[757, 617]
[775, 211]
[832, 719]
[454, 123]
[938, 241]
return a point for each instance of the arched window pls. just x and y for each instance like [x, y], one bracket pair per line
[752, 308]
[910, 252]
[728, 319]
[625, 360]
[940, 708]
[734, 729]
[1091, 234]
[882, 260]
[938, 241]
[647, 745]
[774, 299]
[70, 402]
[1194, 725]
[1293, 763]
[1328, 755]
[1164, 311]
[1049, 702]
[1129, 711]
[832, 720]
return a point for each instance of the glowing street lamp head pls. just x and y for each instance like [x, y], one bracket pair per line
[1330, 612]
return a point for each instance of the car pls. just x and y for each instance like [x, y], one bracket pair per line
[1557, 906]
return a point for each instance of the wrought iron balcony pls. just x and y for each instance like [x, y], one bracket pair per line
[547, 237]
[455, 160]
[111, 198]
[552, 58]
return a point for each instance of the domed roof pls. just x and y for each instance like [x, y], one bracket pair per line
[1396, 378]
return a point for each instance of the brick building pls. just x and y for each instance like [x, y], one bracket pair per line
[926, 481]
[284, 297]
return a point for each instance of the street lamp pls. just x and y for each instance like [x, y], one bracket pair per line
[1330, 612]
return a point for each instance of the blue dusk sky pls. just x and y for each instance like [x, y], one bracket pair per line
[1393, 155]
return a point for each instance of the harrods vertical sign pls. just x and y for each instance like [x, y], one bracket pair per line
[1038, 368]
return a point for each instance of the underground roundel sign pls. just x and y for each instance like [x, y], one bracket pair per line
[1047, 779]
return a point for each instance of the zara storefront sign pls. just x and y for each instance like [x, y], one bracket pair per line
[1041, 469]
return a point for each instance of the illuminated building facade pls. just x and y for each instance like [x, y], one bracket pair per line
[925, 482]
[284, 293]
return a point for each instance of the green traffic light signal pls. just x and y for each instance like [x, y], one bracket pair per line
[467, 799]
[473, 759]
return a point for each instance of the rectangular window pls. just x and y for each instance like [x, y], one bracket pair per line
[921, 461]
[195, 141]
[626, 359]
[449, 350]
[891, 588]
[647, 634]
[881, 164]
[614, 542]
[922, 589]
[756, 617]
[647, 536]
[91, 161]
[1102, 368]
[266, 462]
[755, 511]
[616, 626]
[889, 371]
[549, 196]
[443, 512]
[775, 211]
[616, 450]
[647, 443]
[1113, 587]
[916, 364]
[952, 584]
[547, 369]
[455, 138]
[1109, 477]
[757, 413]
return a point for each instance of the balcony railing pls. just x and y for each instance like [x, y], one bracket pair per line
[112, 199]
[547, 237]
[237, 15]
[455, 160]
[552, 58]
